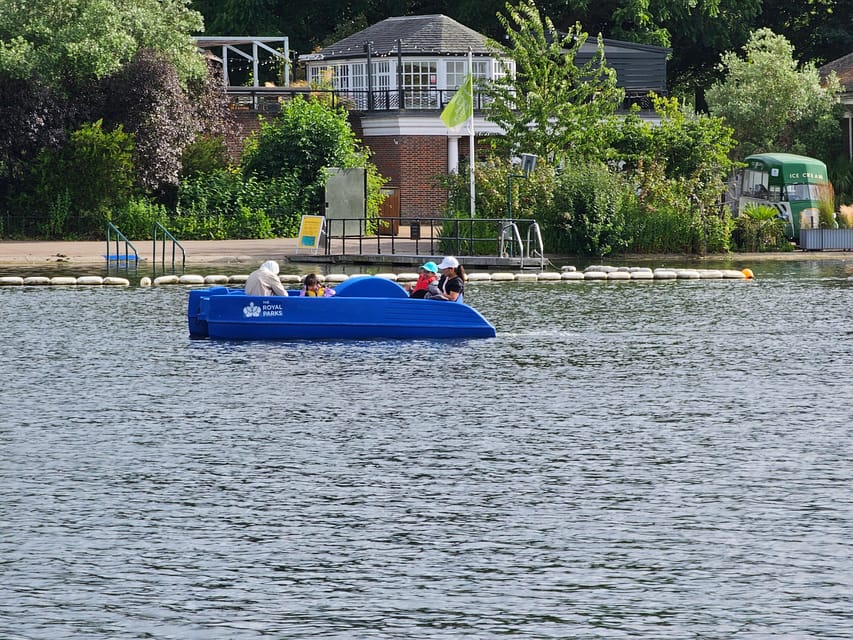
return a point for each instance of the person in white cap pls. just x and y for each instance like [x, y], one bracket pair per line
[451, 284]
[264, 281]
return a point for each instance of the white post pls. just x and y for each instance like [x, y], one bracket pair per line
[471, 130]
[453, 154]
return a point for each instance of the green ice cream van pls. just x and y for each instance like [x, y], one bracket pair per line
[794, 185]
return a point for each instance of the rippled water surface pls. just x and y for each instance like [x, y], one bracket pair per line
[632, 460]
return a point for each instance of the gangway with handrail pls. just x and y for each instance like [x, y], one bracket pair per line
[510, 241]
[164, 234]
[116, 237]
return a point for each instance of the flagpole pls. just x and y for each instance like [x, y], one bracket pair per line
[471, 129]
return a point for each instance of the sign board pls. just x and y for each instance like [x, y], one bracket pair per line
[346, 202]
[310, 230]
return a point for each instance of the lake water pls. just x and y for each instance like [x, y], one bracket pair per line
[631, 460]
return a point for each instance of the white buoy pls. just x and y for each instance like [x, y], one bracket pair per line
[526, 277]
[119, 282]
[145, 282]
[594, 275]
[387, 276]
[240, 279]
[548, 276]
[215, 279]
[166, 280]
[407, 277]
[575, 276]
[619, 275]
[644, 274]
[687, 274]
[665, 274]
[733, 274]
[90, 280]
[503, 276]
[34, 280]
[287, 278]
[479, 277]
[190, 278]
[337, 278]
[63, 280]
[7, 281]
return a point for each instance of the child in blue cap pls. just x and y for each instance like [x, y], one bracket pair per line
[427, 274]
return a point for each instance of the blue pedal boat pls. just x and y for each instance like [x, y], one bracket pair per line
[364, 307]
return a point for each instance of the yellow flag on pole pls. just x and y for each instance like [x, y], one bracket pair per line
[461, 105]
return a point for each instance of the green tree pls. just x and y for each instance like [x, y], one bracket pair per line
[145, 97]
[72, 190]
[303, 139]
[550, 106]
[32, 116]
[772, 102]
[821, 30]
[59, 39]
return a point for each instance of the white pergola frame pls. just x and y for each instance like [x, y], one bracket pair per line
[230, 43]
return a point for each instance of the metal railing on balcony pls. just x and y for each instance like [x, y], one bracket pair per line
[269, 99]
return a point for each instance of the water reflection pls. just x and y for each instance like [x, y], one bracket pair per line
[661, 460]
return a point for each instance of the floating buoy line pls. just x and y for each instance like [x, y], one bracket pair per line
[566, 274]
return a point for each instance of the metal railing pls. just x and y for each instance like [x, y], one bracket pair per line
[437, 236]
[269, 99]
[163, 234]
[531, 249]
[116, 237]
[826, 239]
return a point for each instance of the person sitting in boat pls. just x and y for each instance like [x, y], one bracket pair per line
[451, 284]
[427, 274]
[264, 281]
[313, 288]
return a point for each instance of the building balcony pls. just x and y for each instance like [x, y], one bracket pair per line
[269, 99]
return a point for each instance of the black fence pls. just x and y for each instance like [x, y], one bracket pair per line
[500, 237]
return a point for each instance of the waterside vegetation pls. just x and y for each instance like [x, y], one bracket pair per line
[136, 136]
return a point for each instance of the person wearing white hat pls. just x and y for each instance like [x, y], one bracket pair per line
[264, 281]
[451, 284]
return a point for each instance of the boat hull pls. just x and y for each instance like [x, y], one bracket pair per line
[230, 314]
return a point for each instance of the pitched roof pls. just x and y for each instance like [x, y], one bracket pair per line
[433, 34]
[843, 68]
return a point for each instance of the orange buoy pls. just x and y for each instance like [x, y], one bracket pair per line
[747, 274]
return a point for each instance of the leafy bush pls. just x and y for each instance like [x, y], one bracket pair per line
[845, 217]
[145, 97]
[70, 191]
[303, 139]
[759, 229]
[137, 218]
[588, 216]
[496, 180]
[205, 154]
[826, 215]
[222, 205]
